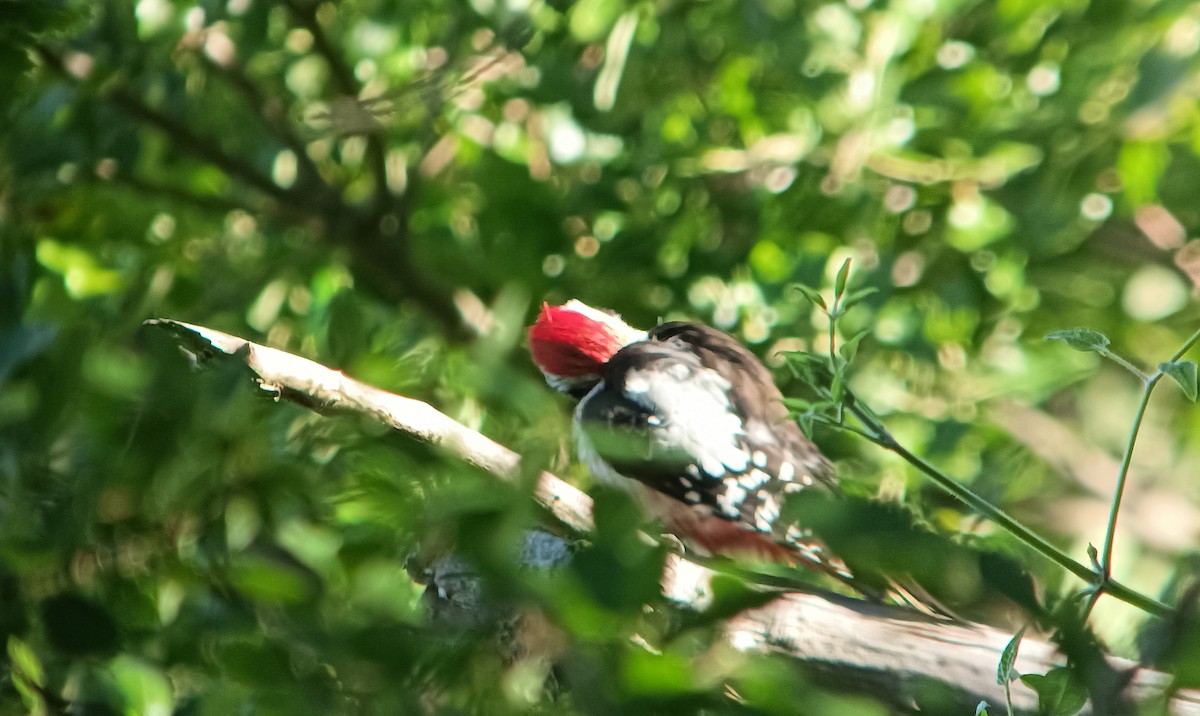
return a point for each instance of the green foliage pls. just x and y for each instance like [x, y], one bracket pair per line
[899, 198]
[1005, 672]
[1082, 339]
[1182, 372]
[1058, 693]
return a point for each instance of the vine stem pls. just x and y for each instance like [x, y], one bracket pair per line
[1127, 365]
[880, 436]
[1149, 383]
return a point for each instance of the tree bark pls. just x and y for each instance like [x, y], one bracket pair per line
[889, 652]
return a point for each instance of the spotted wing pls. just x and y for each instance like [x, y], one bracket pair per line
[679, 420]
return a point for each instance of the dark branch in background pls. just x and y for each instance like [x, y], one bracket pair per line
[346, 84]
[205, 148]
[217, 204]
[182, 136]
[386, 263]
[382, 256]
[273, 118]
[889, 652]
[343, 78]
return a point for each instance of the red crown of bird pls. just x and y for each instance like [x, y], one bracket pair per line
[575, 340]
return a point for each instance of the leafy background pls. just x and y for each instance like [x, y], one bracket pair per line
[392, 188]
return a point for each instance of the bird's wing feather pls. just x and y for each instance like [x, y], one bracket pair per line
[662, 417]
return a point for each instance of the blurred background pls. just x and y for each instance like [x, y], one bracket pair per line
[392, 188]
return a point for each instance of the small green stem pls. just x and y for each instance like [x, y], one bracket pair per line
[1126, 365]
[1092, 598]
[1147, 604]
[1099, 576]
[1150, 382]
[976, 502]
[857, 431]
[880, 436]
[1119, 490]
[833, 332]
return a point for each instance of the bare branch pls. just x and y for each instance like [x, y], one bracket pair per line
[327, 390]
[890, 652]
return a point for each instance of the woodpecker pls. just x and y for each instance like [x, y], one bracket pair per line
[691, 422]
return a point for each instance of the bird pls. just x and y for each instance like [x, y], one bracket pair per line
[691, 422]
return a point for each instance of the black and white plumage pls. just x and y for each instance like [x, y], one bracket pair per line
[693, 415]
[691, 421]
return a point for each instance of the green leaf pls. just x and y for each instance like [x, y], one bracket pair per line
[810, 368]
[732, 596]
[1141, 165]
[798, 405]
[838, 389]
[253, 661]
[1082, 339]
[1094, 555]
[27, 673]
[839, 284]
[1058, 694]
[854, 297]
[77, 626]
[19, 343]
[618, 579]
[591, 19]
[1182, 372]
[849, 349]
[811, 294]
[646, 674]
[347, 331]
[981, 709]
[805, 422]
[1004, 670]
[272, 576]
[145, 689]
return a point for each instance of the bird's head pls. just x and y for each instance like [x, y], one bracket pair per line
[571, 343]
